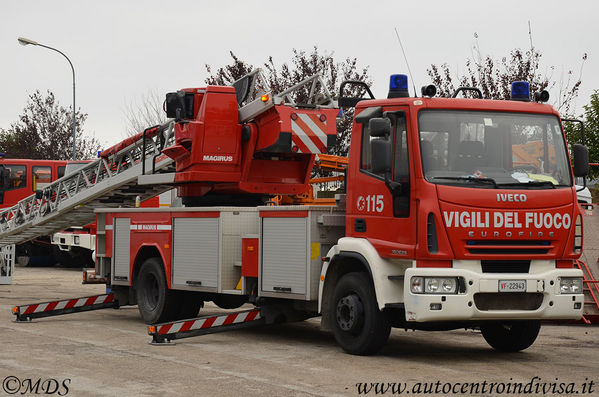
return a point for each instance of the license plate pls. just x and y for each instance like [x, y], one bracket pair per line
[512, 285]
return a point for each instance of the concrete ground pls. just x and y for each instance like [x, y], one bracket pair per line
[106, 353]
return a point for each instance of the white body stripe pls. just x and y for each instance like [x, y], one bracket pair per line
[315, 129]
[240, 317]
[219, 321]
[304, 138]
[61, 304]
[80, 302]
[139, 227]
[197, 324]
[176, 327]
[149, 227]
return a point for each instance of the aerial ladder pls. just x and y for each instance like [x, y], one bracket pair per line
[144, 165]
[109, 181]
[265, 144]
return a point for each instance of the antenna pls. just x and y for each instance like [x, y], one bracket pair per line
[406, 58]
[530, 35]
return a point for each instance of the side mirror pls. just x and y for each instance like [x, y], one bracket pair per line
[379, 127]
[381, 156]
[581, 160]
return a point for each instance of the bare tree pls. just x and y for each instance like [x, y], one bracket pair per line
[147, 111]
[494, 76]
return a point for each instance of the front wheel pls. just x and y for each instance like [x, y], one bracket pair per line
[359, 327]
[511, 336]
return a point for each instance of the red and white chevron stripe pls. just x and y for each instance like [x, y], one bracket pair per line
[309, 133]
[207, 322]
[65, 304]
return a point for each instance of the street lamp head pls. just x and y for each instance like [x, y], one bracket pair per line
[24, 41]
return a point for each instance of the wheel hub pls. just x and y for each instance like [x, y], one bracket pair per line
[350, 313]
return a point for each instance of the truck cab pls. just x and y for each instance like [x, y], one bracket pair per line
[19, 178]
[463, 212]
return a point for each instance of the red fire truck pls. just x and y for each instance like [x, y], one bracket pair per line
[20, 178]
[441, 226]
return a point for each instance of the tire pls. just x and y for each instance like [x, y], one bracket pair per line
[359, 326]
[76, 257]
[191, 304]
[63, 258]
[156, 303]
[511, 336]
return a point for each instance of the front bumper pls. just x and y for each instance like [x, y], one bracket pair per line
[480, 298]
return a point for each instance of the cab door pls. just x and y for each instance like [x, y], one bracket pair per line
[381, 205]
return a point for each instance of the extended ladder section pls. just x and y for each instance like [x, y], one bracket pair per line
[109, 181]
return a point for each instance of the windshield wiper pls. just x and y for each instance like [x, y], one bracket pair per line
[529, 184]
[481, 180]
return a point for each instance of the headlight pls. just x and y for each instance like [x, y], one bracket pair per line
[417, 285]
[431, 285]
[434, 285]
[570, 285]
[449, 286]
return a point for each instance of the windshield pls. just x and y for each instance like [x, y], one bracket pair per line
[493, 149]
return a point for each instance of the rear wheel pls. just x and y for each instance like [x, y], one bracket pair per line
[511, 336]
[359, 326]
[156, 303]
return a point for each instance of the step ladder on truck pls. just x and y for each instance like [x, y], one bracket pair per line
[589, 270]
[440, 228]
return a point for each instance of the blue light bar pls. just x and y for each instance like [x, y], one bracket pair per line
[398, 86]
[520, 91]
[398, 82]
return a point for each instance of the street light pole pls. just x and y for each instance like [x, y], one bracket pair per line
[24, 41]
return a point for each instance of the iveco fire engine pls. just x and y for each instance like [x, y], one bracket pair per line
[458, 212]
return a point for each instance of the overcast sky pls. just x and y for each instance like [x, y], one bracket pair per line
[121, 50]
